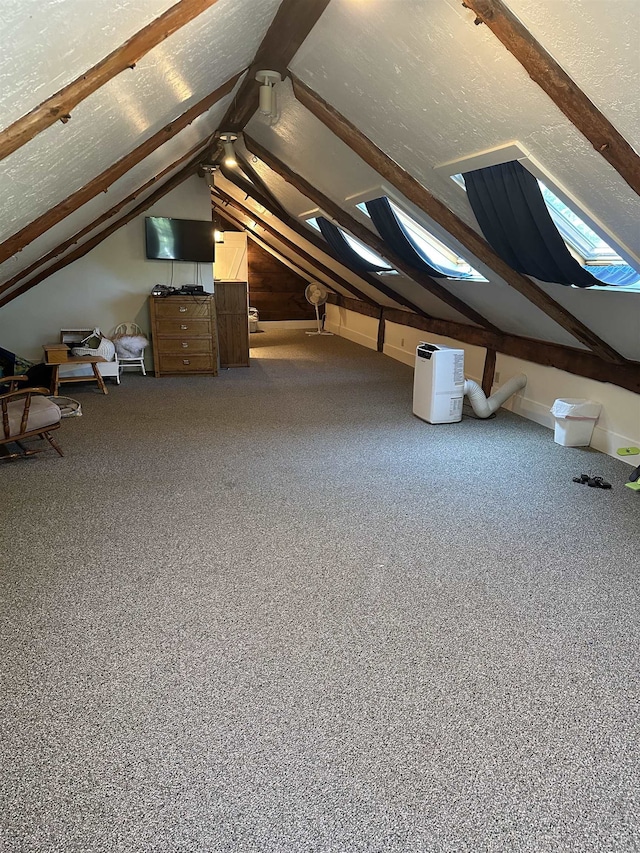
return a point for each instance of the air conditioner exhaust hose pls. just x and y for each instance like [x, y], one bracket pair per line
[484, 407]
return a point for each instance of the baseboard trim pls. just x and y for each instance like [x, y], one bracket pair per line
[399, 354]
[286, 324]
[602, 439]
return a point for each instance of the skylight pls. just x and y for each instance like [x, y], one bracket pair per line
[433, 251]
[591, 248]
[587, 247]
[365, 252]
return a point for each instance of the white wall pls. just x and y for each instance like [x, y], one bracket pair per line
[619, 422]
[109, 285]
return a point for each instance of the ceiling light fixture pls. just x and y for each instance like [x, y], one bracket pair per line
[268, 79]
[227, 140]
[208, 171]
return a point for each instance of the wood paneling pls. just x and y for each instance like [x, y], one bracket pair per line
[275, 290]
[233, 323]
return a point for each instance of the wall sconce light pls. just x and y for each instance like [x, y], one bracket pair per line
[227, 140]
[268, 79]
[218, 233]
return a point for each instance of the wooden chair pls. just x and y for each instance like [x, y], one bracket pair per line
[26, 413]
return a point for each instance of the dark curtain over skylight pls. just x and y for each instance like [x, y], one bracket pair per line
[351, 252]
[514, 216]
[415, 245]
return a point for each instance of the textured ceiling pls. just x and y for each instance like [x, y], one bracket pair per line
[597, 42]
[48, 43]
[136, 177]
[133, 106]
[427, 86]
[416, 76]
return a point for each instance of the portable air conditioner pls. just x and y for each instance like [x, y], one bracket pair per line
[438, 384]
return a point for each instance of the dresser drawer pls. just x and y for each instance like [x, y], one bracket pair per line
[184, 327]
[186, 364]
[175, 346]
[184, 335]
[174, 307]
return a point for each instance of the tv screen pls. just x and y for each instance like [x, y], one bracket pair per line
[179, 239]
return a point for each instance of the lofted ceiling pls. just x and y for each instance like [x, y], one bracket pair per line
[416, 77]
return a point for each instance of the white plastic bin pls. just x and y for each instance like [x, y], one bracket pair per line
[575, 420]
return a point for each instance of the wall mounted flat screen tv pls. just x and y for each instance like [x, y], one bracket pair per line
[179, 239]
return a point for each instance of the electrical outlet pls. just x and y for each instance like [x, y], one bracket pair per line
[496, 377]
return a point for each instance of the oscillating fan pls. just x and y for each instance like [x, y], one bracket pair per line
[316, 294]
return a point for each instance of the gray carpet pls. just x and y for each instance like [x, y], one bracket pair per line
[273, 611]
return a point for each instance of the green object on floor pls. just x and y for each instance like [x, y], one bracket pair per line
[628, 451]
[635, 486]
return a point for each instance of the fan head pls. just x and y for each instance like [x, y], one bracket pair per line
[316, 293]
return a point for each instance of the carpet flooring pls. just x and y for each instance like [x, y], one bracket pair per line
[273, 611]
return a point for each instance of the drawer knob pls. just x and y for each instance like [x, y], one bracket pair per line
[184, 345]
[186, 361]
[183, 326]
[182, 309]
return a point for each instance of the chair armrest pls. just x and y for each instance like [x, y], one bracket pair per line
[22, 391]
[13, 380]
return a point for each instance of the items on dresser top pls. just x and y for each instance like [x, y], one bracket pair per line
[185, 290]
[184, 334]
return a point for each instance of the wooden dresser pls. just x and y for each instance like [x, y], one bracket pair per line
[184, 334]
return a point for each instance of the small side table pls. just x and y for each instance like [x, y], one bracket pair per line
[57, 354]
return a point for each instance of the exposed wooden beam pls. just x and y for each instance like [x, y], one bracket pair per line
[422, 198]
[578, 362]
[365, 234]
[252, 191]
[257, 181]
[60, 105]
[307, 234]
[381, 331]
[488, 374]
[113, 211]
[563, 91]
[189, 170]
[56, 214]
[292, 23]
[289, 244]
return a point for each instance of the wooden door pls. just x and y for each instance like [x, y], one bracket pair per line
[232, 307]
